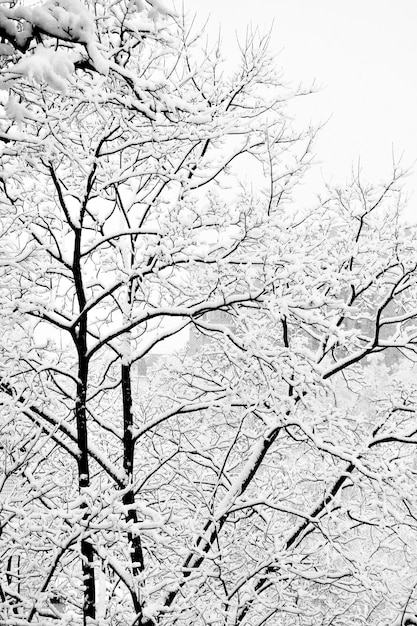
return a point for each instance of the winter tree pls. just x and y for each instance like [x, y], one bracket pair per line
[266, 475]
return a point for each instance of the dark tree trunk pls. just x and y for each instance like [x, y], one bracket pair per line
[87, 553]
[80, 339]
[135, 544]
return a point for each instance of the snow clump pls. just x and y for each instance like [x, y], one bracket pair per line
[53, 67]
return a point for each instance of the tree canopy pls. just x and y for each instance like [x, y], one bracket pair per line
[206, 389]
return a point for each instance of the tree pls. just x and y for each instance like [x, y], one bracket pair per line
[237, 485]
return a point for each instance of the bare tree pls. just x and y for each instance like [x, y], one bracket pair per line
[251, 480]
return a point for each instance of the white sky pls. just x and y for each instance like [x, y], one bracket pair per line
[364, 55]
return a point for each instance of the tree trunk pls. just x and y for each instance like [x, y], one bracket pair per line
[135, 544]
[87, 553]
[80, 339]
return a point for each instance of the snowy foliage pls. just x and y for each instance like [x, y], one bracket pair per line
[207, 403]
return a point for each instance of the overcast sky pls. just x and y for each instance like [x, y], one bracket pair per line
[364, 56]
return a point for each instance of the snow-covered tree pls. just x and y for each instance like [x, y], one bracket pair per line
[268, 475]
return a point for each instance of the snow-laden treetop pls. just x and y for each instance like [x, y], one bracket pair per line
[47, 42]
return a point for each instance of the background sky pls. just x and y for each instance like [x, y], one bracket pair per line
[362, 54]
